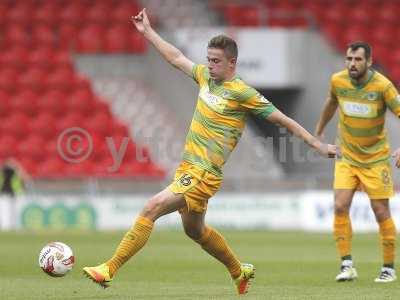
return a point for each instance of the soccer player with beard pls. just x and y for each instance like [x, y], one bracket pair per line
[362, 96]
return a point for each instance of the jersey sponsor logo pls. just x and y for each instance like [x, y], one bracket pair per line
[372, 96]
[213, 101]
[354, 109]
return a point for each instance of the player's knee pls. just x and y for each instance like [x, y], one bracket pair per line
[381, 214]
[153, 208]
[194, 233]
[341, 209]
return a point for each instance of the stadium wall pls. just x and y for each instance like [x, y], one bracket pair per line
[300, 210]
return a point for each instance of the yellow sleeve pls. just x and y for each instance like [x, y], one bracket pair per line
[392, 99]
[200, 73]
[256, 103]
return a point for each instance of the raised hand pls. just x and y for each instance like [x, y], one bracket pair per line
[141, 21]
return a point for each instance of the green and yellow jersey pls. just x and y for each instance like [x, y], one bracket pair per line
[362, 108]
[219, 119]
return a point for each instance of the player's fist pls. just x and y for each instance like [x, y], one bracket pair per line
[327, 150]
[141, 21]
[396, 156]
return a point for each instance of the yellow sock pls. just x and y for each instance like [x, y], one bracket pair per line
[214, 244]
[387, 232]
[131, 243]
[343, 234]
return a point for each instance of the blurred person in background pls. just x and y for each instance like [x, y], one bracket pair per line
[362, 96]
[223, 104]
[12, 178]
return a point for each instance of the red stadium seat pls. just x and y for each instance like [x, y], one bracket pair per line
[44, 124]
[104, 167]
[91, 39]
[361, 14]
[8, 144]
[42, 58]
[33, 79]
[382, 54]
[47, 14]
[82, 83]
[99, 13]
[8, 78]
[32, 147]
[53, 101]
[4, 104]
[62, 59]
[382, 35]
[133, 169]
[388, 13]
[136, 43]
[25, 102]
[3, 13]
[354, 33]
[154, 171]
[116, 39]
[79, 170]
[100, 106]
[123, 11]
[51, 168]
[72, 13]
[70, 120]
[100, 124]
[15, 125]
[15, 57]
[17, 35]
[119, 130]
[395, 58]
[395, 75]
[81, 101]
[67, 35]
[20, 13]
[44, 36]
[61, 78]
[29, 165]
[337, 14]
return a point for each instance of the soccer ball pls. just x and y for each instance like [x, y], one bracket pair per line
[56, 259]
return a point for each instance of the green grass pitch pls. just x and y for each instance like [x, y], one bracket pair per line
[290, 265]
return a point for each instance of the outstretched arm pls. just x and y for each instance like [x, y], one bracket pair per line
[171, 54]
[297, 130]
[328, 111]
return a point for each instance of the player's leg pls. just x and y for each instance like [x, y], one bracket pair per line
[136, 237]
[214, 244]
[378, 184]
[345, 184]
[343, 233]
[210, 240]
[387, 232]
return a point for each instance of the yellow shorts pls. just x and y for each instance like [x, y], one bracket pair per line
[375, 181]
[196, 185]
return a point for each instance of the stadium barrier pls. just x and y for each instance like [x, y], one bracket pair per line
[304, 210]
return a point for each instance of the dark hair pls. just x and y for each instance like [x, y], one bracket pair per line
[359, 44]
[225, 43]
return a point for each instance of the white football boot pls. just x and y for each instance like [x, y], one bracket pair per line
[347, 272]
[386, 275]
